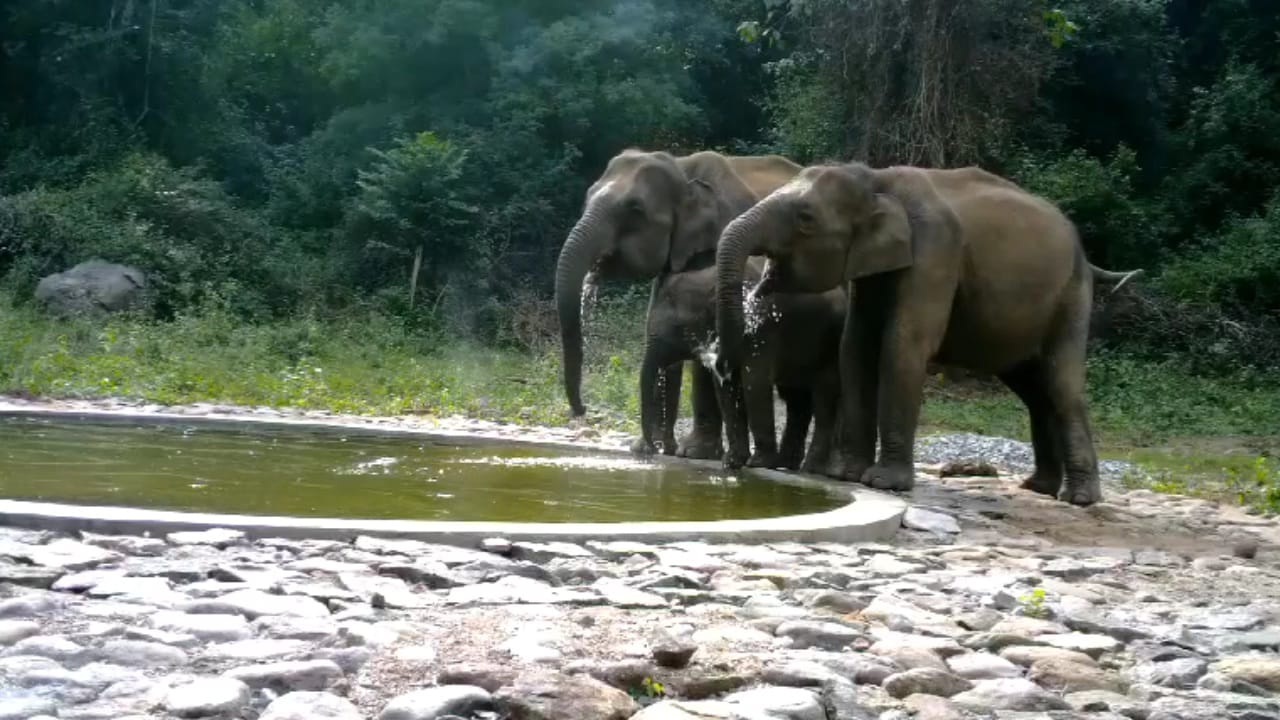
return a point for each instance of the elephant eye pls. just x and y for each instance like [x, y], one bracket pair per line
[633, 206]
[805, 218]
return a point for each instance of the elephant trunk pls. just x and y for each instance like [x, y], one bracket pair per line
[581, 250]
[743, 237]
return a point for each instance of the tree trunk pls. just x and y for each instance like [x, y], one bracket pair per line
[413, 277]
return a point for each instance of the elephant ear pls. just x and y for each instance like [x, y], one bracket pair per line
[697, 224]
[884, 244]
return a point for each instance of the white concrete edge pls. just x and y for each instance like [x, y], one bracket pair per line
[868, 516]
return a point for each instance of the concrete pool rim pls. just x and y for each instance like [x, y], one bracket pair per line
[868, 516]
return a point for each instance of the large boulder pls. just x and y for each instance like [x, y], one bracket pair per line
[92, 288]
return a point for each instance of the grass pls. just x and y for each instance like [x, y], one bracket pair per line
[1192, 435]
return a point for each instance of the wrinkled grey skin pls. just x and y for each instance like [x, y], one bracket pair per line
[958, 267]
[650, 214]
[794, 348]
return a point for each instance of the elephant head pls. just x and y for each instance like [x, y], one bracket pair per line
[647, 214]
[829, 225]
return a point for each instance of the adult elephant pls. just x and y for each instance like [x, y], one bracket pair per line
[961, 267]
[652, 213]
[793, 348]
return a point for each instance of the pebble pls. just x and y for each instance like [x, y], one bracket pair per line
[437, 702]
[1066, 677]
[289, 675]
[1008, 694]
[207, 697]
[920, 519]
[216, 537]
[982, 666]
[1092, 645]
[780, 702]
[141, 654]
[823, 635]
[925, 681]
[11, 631]
[311, 706]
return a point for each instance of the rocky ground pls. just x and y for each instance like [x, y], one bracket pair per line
[991, 603]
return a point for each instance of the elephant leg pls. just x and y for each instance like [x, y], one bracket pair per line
[758, 386]
[1065, 377]
[825, 399]
[1027, 381]
[860, 347]
[912, 334]
[704, 441]
[657, 357]
[799, 402]
[669, 382]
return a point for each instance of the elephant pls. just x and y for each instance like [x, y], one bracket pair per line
[957, 266]
[650, 214]
[793, 347]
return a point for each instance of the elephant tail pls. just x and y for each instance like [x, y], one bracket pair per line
[1120, 278]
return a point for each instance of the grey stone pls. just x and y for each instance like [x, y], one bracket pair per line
[925, 681]
[25, 705]
[1028, 655]
[980, 620]
[64, 554]
[143, 590]
[211, 628]
[982, 666]
[311, 706]
[550, 696]
[437, 702]
[935, 522]
[623, 674]
[1179, 673]
[619, 594]
[513, 589]
[11, 631]
[385, 592]
[292, 627]
[54, 647]
[257, 650]
[673, 648]
[288, 676]
[1008, 694]
[207, 697]
[30, 576]
[546, 552]
[92, 288]
[1268, 639]
[127, 544]
[1105, 701]
[140, 654]
[215, 537]
[1260, 670]
[932, 707]
[1091, 645]
[841, 602]
[1065, 676]
[254, 604]
[824, 635]
[27, 606]
[434, 575]
[489, 677]
[780, 702]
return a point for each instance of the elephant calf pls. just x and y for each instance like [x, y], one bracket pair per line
[793, 347]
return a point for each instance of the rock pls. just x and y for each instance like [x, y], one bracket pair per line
[385, 592]
[349, 660]
[548, 696]
[935, 522]
[92, 288]
[254, 604]
[889, 566]
[1008, 694]
[968, 468]
[54, 647]
[216, 537]
[779, 702]
[982, 666]
[824, 635]
[26, 606]
[1066, 677]
[843, 701]
[1028, 655]
[437, 702]
[288, 676]
[622, 674]
[1105, 701]
[40, 578]
[1091, 645]
[256, 650]
[1028, 627]
[694, 710]
[1178, 673]
[140, 654]
[23, 706]
[65, 554]
[210, 628]
[1260, 670]
[1246, 548]
[542, 553]
[1268, 639]
[979, 620]
[292, 627]
[514, 589]
[127, 544]
[1158, 558]
[931, 707]
[11, 631]
[208, 697]
[434, 575]
[841, 602]
[311, 706]
[155, 591]
[925, 681]
[619, 594]
[673, 649]
[489, 677]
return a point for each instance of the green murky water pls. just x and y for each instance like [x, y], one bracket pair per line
[327, 473]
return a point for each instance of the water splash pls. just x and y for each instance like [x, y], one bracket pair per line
[590, 294]
[709, 355]
[564, 463]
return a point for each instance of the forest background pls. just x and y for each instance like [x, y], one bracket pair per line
[275, 167]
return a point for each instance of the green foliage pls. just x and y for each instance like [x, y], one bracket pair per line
[1238, 270]
[1032, 604]
[1258, 485]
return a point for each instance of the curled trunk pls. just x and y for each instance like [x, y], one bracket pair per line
[581, 250]
[742, 238]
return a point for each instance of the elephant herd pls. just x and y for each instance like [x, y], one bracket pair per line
[835, 285]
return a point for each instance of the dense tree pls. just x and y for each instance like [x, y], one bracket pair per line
[301, 152]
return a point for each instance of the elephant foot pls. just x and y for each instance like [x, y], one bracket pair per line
[890, 477]
[642, 448]
[1083, 493]
[735, 459]
[765, 459]
[669, 445]
[701, 447]
[1043, 483]
[790, 461]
